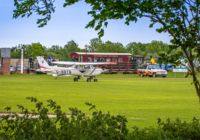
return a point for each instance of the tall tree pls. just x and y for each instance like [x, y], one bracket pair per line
[136, 48]
[156, 47]
[30, 50]
[70, 47]
[55, 51]
[179, 18]
[109, 46]
[35, 49]
[94, 44]
[16, 52]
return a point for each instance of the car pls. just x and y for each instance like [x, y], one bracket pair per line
[12, 69]
[153, 70]
[24, 67]
[168, 67]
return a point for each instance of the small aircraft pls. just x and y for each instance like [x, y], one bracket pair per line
[77, 69]
[44, 67]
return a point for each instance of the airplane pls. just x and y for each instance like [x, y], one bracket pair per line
[55, 71]
[77, 69]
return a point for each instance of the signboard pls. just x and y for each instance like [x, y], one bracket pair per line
[180, 70]
[5, 52]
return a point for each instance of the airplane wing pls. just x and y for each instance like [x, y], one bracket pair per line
[83, 63]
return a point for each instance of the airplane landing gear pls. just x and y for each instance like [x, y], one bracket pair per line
[75, 79]
[88, 79]
[91, 79]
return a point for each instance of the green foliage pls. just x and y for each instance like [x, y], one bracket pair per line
[111, 47]
[156, 49]
[55, 51]
[16, 52]
[70, 47]
[33, 50]
[94, 44]
[25, 8]
[180, 129]
[148, 133]
[37, 125]
[168, 130]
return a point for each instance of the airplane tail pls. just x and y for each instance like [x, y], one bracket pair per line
[42, 63]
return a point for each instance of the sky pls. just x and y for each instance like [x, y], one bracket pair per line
[69, 24]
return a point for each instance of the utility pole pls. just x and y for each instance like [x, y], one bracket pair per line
[22, 61]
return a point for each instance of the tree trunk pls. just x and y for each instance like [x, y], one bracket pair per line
[193, 71]
[195, 79]
[196, 84]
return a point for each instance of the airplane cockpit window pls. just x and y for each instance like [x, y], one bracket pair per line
[88, 67]
[77, 67]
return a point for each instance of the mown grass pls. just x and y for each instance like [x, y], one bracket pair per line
[141, 100]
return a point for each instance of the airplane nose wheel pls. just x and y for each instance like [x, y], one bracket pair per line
[88, 79]
[75, 79]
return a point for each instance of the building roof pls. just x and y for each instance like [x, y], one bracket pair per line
[89, 53]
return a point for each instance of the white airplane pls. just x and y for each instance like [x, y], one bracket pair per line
[44, 67]
[77, 69]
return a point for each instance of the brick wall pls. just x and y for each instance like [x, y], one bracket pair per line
[5, 66]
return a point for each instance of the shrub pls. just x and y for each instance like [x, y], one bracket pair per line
[180, 130]
[168, 130]
[37, 125]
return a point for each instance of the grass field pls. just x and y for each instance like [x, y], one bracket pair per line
[141, 100]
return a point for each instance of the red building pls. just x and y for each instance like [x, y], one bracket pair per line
[123, 60]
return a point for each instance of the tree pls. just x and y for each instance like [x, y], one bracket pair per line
[55, 51]
[94, 44]
[136, 48]
[109, 46]
[70, 47]
[16, 52]
[155, 48]
[33, 50]
[179, 18]
[30, 50]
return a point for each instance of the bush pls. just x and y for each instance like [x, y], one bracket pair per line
[168, 130]
[180, 130]
[38, 125]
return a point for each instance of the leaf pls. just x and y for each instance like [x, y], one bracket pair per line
[151, 25]
[101, 33]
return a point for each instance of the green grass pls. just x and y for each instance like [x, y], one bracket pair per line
[141, 100]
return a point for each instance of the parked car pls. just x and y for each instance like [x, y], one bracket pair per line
[152, 71]
[12, 69]
[24, 67]
[168, 67]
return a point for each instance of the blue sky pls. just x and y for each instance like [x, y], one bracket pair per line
[69, 24]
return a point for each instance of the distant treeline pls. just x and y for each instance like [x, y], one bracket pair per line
[155, 49]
